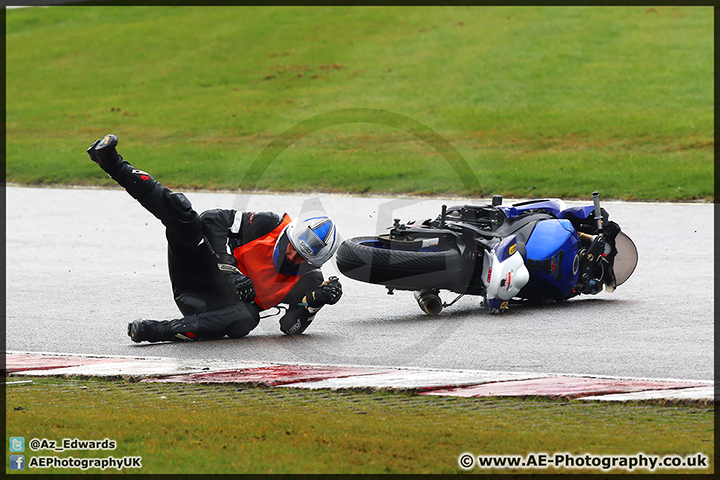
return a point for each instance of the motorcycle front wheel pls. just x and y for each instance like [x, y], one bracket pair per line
[400, 265]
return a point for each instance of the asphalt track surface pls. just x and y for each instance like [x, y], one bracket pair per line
[82, 263]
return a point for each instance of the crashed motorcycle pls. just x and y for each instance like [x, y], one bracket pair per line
[536, 250]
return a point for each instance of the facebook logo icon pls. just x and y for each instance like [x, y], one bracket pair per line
[17, 462]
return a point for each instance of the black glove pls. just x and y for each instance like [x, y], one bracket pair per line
[244, 288]
[243, 285]
[326, 294]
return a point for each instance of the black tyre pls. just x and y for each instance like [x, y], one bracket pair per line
[372, 260]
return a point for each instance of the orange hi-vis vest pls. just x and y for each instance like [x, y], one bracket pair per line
[255, 259]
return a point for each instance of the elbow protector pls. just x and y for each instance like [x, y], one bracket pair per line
[296, 320]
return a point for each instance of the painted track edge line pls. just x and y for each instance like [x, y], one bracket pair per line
[456, 388]
[399, 368]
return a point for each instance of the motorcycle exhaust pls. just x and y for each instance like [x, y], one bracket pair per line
[429, 301]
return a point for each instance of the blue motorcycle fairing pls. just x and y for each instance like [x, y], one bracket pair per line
[580, 212]
[507, 247]
[553, 206]
[551, 257]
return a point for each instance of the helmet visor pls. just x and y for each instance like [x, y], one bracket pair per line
[310, 241]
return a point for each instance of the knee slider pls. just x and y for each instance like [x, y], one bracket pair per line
[242, 320]
[178, 203]
[237, 331]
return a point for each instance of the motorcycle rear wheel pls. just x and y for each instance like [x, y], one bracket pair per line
[372, 260]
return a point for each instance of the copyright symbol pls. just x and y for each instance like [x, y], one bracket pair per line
[466, 461]
[34, 444]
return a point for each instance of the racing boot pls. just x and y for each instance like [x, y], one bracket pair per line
[149, 331]
[174, 210]
[136, 182]
[182, 329]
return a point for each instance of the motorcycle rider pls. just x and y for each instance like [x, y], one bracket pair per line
[226, 266]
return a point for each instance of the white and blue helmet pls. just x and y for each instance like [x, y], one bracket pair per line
[315, 237]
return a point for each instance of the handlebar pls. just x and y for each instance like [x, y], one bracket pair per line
[598, 213]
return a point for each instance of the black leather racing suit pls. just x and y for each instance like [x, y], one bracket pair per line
[196, 245]
[202, 291]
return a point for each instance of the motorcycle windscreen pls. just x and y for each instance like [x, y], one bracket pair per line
[626, 258]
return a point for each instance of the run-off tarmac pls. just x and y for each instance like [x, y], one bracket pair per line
[82, 263]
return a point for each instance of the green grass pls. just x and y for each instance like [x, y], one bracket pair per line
[185, 428]
[535, 101]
